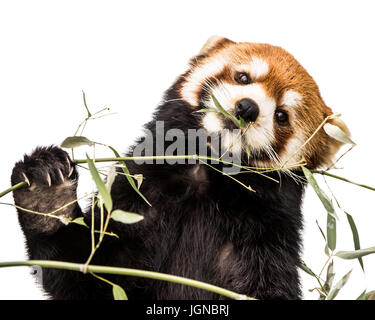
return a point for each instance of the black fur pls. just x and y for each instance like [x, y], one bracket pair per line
[202, 225]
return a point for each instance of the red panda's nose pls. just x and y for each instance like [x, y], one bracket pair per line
[247, 109]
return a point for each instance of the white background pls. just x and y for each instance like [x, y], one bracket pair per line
[125, 54]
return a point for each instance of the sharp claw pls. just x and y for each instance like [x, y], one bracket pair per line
[70, 167]
[49, 179]
[61, 175]
[70, 171]
[26, 179]
[68, 162]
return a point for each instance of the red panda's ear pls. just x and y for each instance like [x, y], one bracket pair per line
[213, 42]
[333, 144]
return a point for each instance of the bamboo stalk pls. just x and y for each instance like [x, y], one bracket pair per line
[128, 272]
[325, 173]
[12, 188]
[115, 159]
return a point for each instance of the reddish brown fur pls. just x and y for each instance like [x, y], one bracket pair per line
[284, 73]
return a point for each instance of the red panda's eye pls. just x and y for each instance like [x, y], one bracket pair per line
[281, 117]
[242, 78]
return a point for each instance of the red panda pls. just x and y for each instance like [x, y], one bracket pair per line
[202, 224]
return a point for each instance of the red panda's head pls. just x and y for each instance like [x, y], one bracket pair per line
[265, 85]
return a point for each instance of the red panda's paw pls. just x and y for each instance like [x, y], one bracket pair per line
[46, 166]
[52, 183]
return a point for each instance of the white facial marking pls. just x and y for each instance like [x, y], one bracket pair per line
[212, 123]
[290, 155]
[260, 135]
[198, 75]
[291, 99]
[258, 68]
[232, 142]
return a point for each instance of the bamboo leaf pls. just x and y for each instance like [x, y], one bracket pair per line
[139, 178]
[336, 133]
[218, 105]
[326, 250]
[331, 216]
[85, 104]
[305, 268]
[336, 289]
[129, 177]
[322, 196]
[64, 220]
[102, 189]
[321, 231]
[355, 254]
[362, 296]
[126, 217]
[329, 278]
[76, 141]
[111, 178]
[224, 112]
[80, 221]
[331, 232]
[119, 293]
[206, 111]
[355, 237]
[335, 115]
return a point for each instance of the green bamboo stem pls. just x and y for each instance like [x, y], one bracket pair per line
[12, 188]
[197, 157]
[128, 272]
[322, 172]
[325, 173]
[133, 158]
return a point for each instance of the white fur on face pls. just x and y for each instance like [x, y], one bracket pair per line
[212, 123]
[189, 91]
[292, 154]
[291, 99]
[257, 68]
[194, 81]
[259, 135]
[232, 142]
